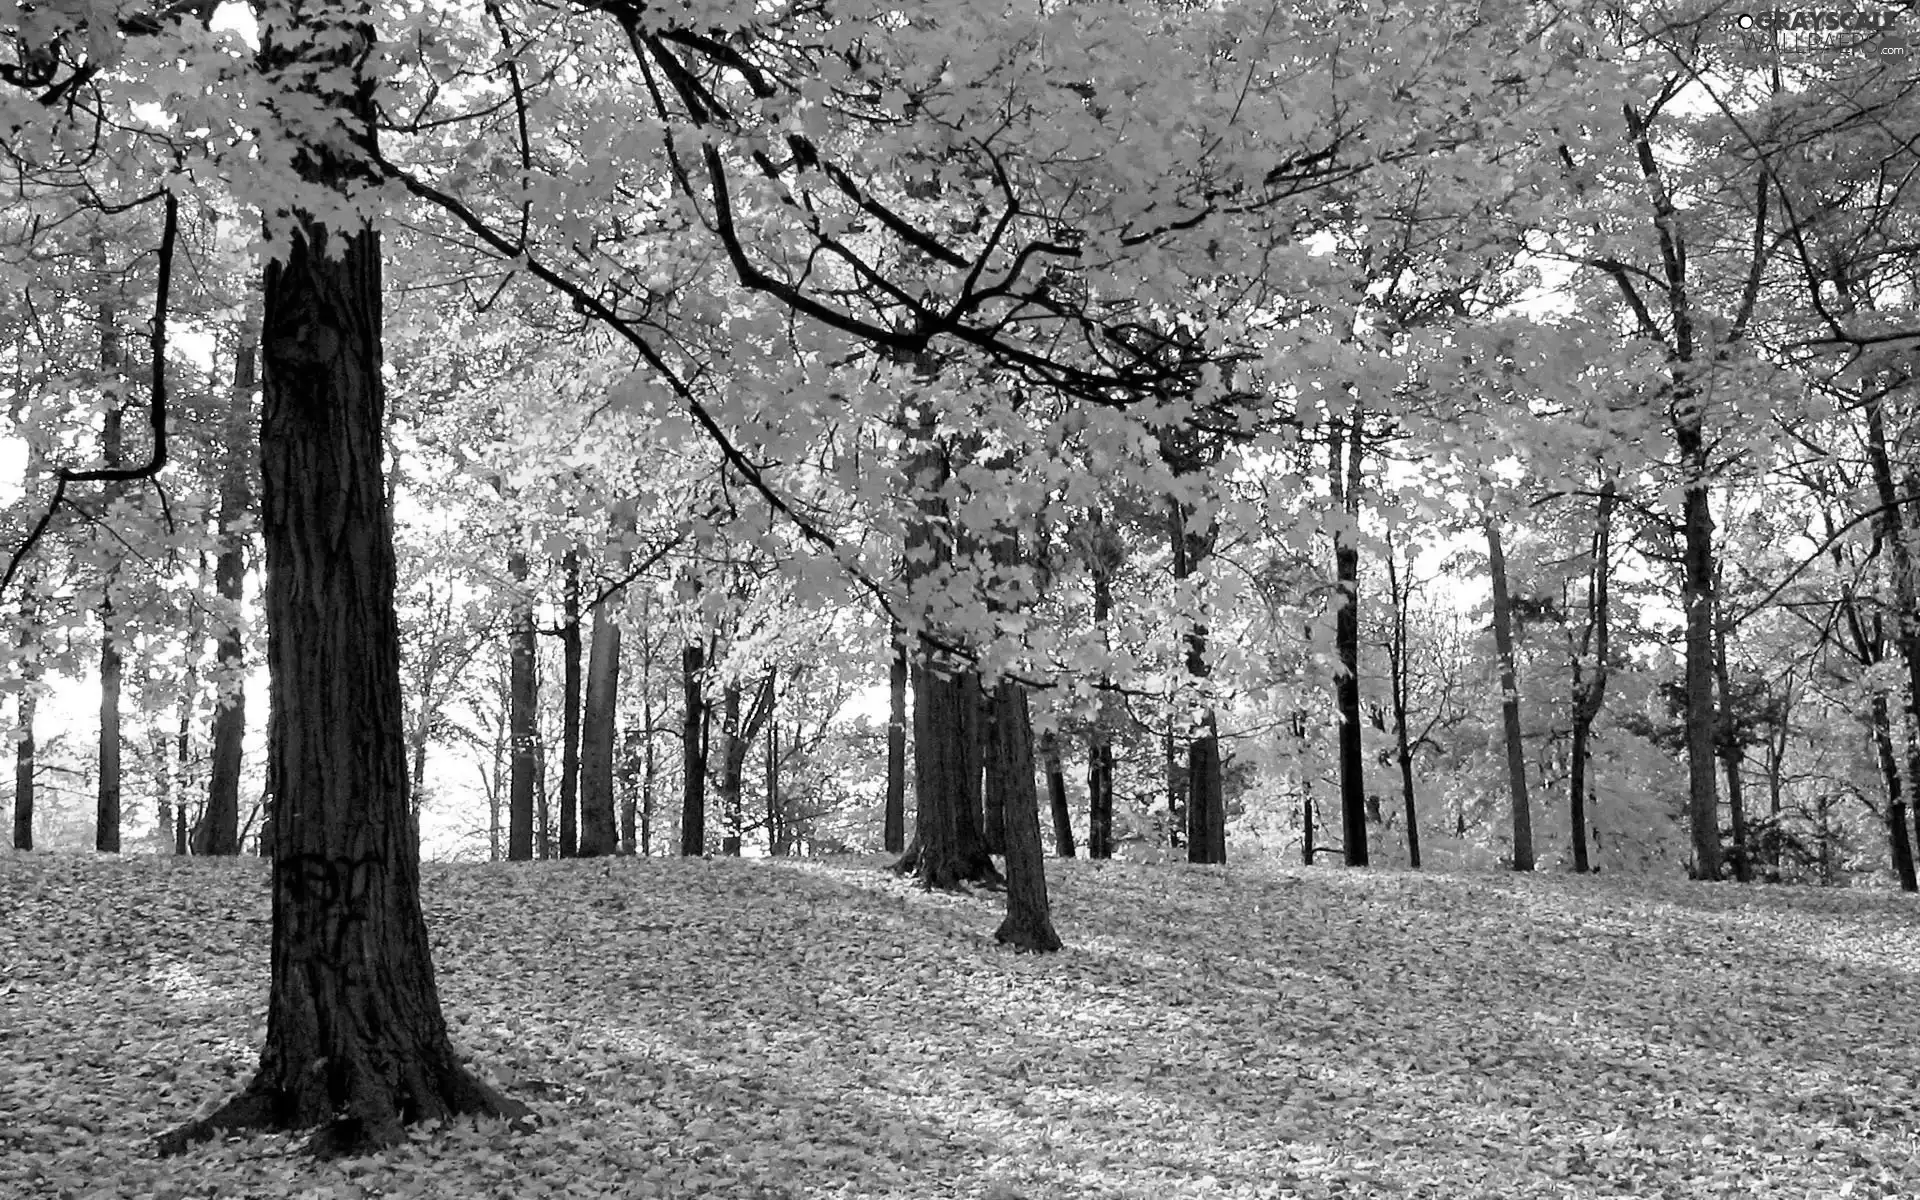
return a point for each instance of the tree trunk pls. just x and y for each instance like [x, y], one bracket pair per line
[1100, 798]
[894, 834]
[1029, 920]
[1105, 551]
[1205, 790]
[739, 730]
[1397, 680]
[523, 717]
[24, 766]
[996, 791]
[1590, 685]
[1522, 806]
[599, 833]
[1344, 472]
[221, 821]
[356, 1042]
[107, 808]
[1894, 534]
[1697, 600]
[693, 744]
[570, 688]
[1057, 796]
[629, 789]
[947, 848]
[776, 847]
[1880, 723]
[1730, 749]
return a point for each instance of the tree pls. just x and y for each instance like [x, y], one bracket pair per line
[218, 831]
[356, 1043]
[1522, 808]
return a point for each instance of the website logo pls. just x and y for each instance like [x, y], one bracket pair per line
[1820, 30]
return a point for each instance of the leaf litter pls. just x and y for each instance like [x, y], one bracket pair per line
[788, 1029]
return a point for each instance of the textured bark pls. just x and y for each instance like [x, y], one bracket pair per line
[570, 690]
[599, 832]
[947, 848]
[1345, 473]
[1697, 600]
[1057, 796]
[356, 1043]
[894, 834]
[1520, 803]
[1029, 921]
[693, 752]
[523, 716]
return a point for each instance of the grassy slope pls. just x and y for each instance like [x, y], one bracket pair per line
[752, 1029]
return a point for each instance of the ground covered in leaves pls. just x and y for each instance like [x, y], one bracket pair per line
[788, 1029]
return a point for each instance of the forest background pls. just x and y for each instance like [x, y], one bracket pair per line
[1137, 385]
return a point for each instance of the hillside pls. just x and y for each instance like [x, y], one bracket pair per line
[797, 1029]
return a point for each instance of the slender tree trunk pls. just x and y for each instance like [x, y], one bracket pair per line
[693, 744]
[356, 1043]
[737, 734]
[570, 688]
[1880, 723]
[1697, 600]
[629, 790]
[1104, 554]
[649, 765]
[523, 715]
[1057, 796]
[107, 808]
[1345, 474]
[219, 829]
[598, 832]
[24, 766]
[776, 847]
[1731, 751]
[1205, 790]
[1522, 806]
[1895, 535]
[1590, 683]
[894, 837]
[1397, 672]
[1029, 920]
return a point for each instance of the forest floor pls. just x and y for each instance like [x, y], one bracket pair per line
[772, 1029]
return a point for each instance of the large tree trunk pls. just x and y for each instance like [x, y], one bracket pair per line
[693, 757]
[1522, 805]
[356, 1043]
[523, 715]
[570, 687]
[219, 828]
[1029, 920]
[894, 833]
[1344, 472]
[599, 832]
[947, 848]
[1057, 796]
